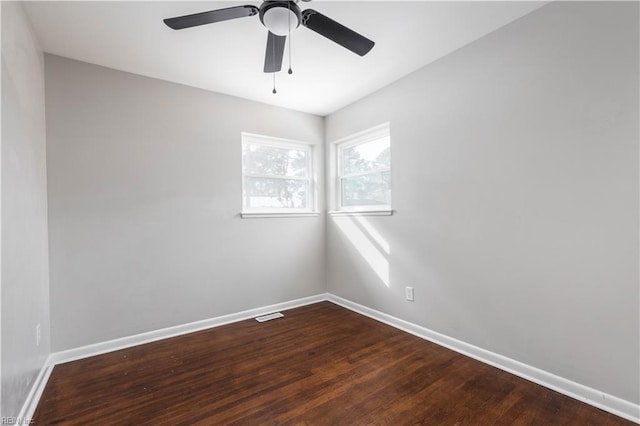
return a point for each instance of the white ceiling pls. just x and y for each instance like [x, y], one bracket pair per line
[228, 57]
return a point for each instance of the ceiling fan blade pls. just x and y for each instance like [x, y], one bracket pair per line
[210, 17]
[274, 53]
[336, 32]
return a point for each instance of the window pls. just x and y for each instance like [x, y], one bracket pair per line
[363, 169]
[276, 176]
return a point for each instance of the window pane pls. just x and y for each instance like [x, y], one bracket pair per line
[372, 189]
[275, 193]
[270, 160]
[366, 157]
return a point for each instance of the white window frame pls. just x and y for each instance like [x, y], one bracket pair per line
[312, 202]
[337, 148]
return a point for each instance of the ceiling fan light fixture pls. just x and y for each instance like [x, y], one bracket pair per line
[278, 16]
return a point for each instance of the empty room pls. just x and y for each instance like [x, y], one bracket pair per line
[320, 212]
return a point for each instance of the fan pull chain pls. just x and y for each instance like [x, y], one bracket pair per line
[289, 38]
[273, 52]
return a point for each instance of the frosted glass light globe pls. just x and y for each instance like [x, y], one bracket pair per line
[277, 20]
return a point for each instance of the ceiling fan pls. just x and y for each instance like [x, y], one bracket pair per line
[280, 18]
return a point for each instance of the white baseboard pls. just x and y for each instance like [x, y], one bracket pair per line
[594, 397]
[31, 403]
[178, 330]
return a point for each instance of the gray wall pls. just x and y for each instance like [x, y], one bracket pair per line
[515, 185]
[25, 266]
[144, 194]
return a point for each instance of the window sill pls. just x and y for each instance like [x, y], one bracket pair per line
[256, 215]
[388, 212]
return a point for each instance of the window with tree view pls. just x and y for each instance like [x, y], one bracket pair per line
[364, 170]
[277, 175]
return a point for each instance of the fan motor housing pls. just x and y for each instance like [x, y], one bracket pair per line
[280, 16]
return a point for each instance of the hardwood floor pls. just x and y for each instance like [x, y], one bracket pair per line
[319, 365]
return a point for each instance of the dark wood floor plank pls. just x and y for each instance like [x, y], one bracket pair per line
[319, 365]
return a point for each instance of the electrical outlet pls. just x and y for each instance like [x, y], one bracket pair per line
[38, 335]
[408, 293]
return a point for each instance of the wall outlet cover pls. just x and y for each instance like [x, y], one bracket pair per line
[408, 293]
[38, 335]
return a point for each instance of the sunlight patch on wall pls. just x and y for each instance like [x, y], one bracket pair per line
[362, 240]
[373, 233]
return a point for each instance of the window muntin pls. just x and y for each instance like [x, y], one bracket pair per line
[364, 171]
[277, 175]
